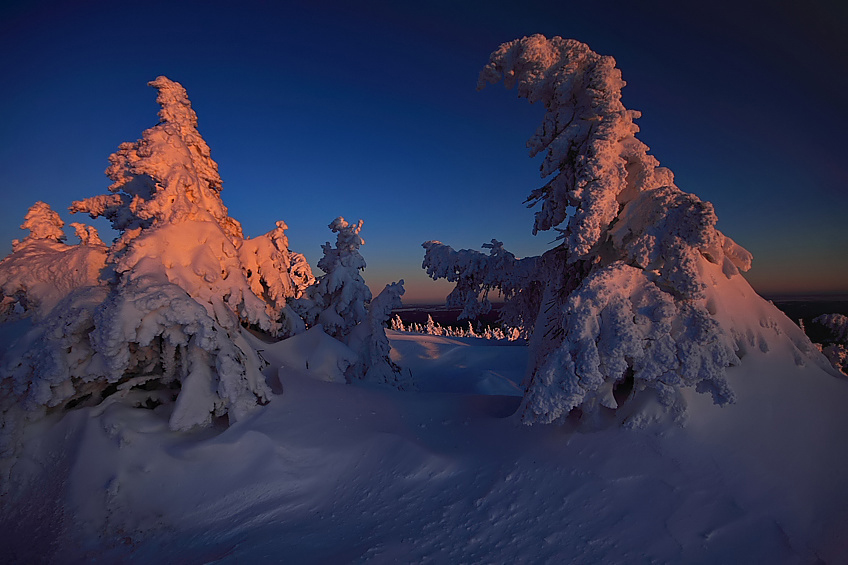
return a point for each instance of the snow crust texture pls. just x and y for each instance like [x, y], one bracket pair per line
[627, 301]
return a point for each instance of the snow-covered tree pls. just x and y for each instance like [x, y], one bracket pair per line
[397, 324]
[338, 300]
[42, 270]
[369, 341]
[341, 303]
[87, 234]
[628, 299]
[43, 224]
[835, 345]
[160, 312]
[476, 274]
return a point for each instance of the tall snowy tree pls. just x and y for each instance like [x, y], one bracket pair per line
[629, 301]
[163, 307]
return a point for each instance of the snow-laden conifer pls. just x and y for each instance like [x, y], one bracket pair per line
[835, 345]
[340, 302]
[338, 299]
[42, 269]
[633, 296]
[369, 341]
[160, 311]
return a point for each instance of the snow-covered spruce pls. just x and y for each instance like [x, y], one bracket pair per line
[338, 299]
[341, 303]
[369, 341]
[432, 328]
[42, 269]
[629, 304]
[162, 309]
[475, 274]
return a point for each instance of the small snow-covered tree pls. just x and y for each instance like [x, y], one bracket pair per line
[42, 269]
[43, 224]
[369, 341]
[338, 299]
[397, 324]
[341, 303]
[163, 307]
[87, 234]
[628, 299]
[835, 345]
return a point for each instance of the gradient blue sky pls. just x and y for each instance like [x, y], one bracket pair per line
[369, 110]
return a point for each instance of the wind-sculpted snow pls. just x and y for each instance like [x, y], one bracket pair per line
[664, 231]
[160, 310]
[623, 330]
[158, 317]
[631, 297]
[41, 270]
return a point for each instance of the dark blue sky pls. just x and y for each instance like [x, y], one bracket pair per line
[369, 110]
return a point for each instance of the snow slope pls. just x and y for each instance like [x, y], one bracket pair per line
[334, 473]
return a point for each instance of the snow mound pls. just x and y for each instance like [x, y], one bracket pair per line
[330, 473]
[313, 353]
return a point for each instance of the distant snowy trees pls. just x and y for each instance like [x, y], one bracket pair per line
[835, 345]
[433, 328]
[158, 315]
[623, 303]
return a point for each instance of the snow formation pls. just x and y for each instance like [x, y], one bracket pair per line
[627, 302]
[341, 303]
[835, 347]
[158, 317]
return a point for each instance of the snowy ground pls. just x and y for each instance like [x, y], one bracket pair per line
[333, 473]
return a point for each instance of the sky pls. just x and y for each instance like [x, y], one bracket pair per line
[369, 110]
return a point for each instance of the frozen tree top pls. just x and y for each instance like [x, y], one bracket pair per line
[42, 223]
[604, 187]
[167, 176]
[176, 107]
[594, 159]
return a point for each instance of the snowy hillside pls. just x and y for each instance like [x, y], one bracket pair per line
[329, 473]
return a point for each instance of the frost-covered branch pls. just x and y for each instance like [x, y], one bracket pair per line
[476, 274]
